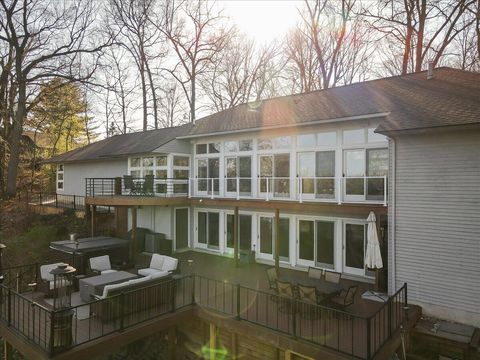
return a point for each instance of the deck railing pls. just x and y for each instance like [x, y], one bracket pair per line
[59, 330]
[50, 199]
[363, 189]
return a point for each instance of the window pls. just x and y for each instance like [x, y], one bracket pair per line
[267, 236]
[181, 171]
[244, 231]
[354, 136]
[282, 142]
[183, 161]
[327, 139]
[377, 168]
[306, 141]
[201, 148]
[135, 162]
[213, 148]
[60, 174]
[231, 146]
[278, 167]
[148, 161]
[354, 246]
[241, 167]
[208, 171]
[161, 160]
[316, 242]
[317, 170]
[264, 144]
[245, 145]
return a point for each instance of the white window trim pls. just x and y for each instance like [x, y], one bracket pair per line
[63, 177]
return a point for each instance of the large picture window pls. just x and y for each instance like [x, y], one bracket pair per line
[317, 173]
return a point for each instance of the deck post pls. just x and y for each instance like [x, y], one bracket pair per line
[8, 350]
[235, 236]
[277, 241]
[213, 341]
[134, 232]
[172, 343]
[93, 219]
[238, 301]
[369, 352]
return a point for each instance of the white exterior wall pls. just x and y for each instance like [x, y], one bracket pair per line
[75, 174]
[437, 223]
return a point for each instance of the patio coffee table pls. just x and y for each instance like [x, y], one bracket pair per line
[88, 285]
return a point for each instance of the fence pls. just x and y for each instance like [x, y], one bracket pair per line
[58, 330]
[64, 201]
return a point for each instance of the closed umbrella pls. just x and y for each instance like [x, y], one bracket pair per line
[373, 257]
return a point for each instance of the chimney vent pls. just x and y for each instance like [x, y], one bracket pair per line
[430, 70]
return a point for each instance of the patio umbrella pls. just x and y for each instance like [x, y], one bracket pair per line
[373, 257]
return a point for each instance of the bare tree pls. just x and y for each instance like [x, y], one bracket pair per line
[27, 29]
[422, 29]
[132, 19]
[194, 30]
[233, 76]
[172, 111]
[341, 44]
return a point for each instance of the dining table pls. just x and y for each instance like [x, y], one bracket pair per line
[327, 288]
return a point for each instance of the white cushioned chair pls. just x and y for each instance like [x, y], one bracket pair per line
[101, 264]
[47, 284]
[160, 264]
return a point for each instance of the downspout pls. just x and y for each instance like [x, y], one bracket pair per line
[392, 205]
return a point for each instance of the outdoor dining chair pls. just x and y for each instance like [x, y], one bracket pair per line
[345, 299]
[314, 273]
[129, 184]
[285, 294]
[309, 297]
[272, 278]
[333, 276]
[148, 185]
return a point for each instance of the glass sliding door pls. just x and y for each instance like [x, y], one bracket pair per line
[244, 232]
[213, 173]
[377, 166]
[202, 175]
[181, 228]
[266, 237]
[354, 171]
[208, 229]
[325, 243]
[231, 175]
[325, 171]
[284, 251]
[306, 241]
[354, 249]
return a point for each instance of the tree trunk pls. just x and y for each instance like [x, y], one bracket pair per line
[144, 95]
[154, 95]
[15, 138]
[421, 30]
[192, 99]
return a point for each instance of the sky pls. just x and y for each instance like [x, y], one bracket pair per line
[263, 20]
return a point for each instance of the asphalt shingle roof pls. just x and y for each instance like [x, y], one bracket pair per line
[451, 97]
[123, 145]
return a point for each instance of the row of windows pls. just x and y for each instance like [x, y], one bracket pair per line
[304, 141]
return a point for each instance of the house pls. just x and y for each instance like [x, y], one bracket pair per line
[297, 176]
[322, 158]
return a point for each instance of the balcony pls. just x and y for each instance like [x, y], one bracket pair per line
[336, 190]
[206, 285]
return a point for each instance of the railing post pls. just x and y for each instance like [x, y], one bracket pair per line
[213, 188]
[193, 289]
[122, 310]
[173, 289]
[238, 188]
[268, 188]
[238, 301]
[300, 189]
[9, 307]
[340, 190]
[52, 332]
[406, 301]
[294, 317]
[189, 187]
[368, 339]
[74, 203]
[56, 200]
[384, 190]
[389, 317]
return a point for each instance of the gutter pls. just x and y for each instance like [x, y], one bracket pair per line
[392, 206]
[315, 122]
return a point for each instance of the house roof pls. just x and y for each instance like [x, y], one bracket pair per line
[451, 97]
[123, 145]
[405, 102]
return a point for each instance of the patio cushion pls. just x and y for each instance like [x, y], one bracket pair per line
[100, 263]
[107, 288]
[139, 280]
[157, 261]
[169, 264]
[149, 271]
[108, 271]
[159, 275]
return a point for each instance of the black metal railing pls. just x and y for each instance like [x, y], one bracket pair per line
[130, 186]
[65, 201]
[358, 336]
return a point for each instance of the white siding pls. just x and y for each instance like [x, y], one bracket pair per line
[437, 238]
[75, 174]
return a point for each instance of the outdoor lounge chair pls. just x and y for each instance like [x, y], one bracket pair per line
[315, 273]
[333, 276]
[101, 264]
[130, 185]
[345, 299]
[272, 278]
[160, 264]
[46, 284]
